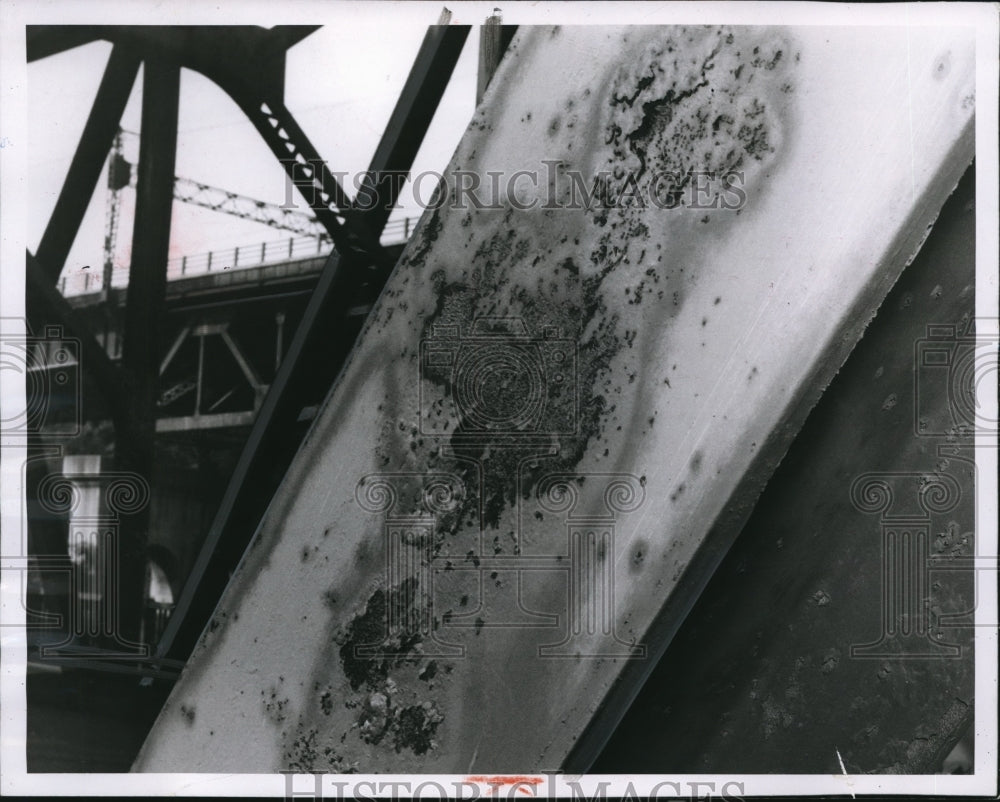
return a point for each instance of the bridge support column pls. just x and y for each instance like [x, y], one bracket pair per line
[134, 445]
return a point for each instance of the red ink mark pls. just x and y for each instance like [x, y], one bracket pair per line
[497, 782]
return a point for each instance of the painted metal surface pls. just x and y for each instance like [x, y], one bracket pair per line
[558, 418]
[135, 446]
[810, 642]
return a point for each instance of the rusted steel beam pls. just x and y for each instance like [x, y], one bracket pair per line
[560, 414]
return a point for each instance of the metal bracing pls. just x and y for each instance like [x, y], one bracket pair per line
[199, 419]
[315, 355]
[248, 64]
[88, 161]
[309, 174]
[246, 208]
[414, 111]
[198, 193]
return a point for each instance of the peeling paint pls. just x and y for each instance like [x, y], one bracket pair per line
[587, 300]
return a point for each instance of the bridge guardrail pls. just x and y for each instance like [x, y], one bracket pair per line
[88, 280]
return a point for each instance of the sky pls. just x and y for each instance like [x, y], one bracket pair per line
[341, 85]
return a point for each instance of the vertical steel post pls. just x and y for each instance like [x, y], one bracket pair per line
[134, 445]
[279, 320]
[490, 53]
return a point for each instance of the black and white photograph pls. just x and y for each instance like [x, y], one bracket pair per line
[431, 400]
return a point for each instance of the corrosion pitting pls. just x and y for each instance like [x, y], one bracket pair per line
[691, 100]
[692, 104]
[367, 631]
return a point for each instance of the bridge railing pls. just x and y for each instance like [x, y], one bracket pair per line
[248, 256]
[89, 280]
